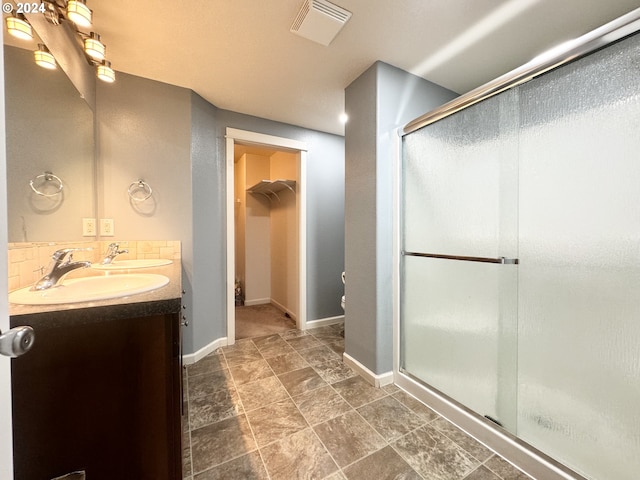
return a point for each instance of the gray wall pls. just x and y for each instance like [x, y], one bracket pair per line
[380, 100]
[175, 140]
[144, 132]
[206, 272]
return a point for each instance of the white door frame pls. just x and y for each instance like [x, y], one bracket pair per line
[234, 135]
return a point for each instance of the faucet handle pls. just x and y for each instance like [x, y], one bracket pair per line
[114, 249]
[59, 255]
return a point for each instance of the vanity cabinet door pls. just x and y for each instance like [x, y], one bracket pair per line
[101, 396]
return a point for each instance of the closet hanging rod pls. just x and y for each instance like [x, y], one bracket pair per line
[600, 37]
[271, 187]
[500, 260]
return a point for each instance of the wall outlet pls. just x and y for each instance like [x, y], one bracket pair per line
[88, 227]
[106, 227]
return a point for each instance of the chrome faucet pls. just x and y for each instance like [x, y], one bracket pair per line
[112, 252]
[61, 264]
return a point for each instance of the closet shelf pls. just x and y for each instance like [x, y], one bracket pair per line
[269, 188]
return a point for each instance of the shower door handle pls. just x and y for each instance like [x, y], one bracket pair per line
[17, 341]
[500, 260]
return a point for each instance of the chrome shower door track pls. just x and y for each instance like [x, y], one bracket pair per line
[599, 38]
[524, 456]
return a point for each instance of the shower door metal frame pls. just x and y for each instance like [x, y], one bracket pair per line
[524, 456]
[607, 34]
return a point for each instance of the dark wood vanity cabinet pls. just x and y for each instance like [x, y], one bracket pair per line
[99, 393]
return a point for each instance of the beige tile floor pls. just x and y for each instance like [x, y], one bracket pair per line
[261, 320]
[284, 406]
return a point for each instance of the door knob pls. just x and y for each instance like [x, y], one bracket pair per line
[16, 341]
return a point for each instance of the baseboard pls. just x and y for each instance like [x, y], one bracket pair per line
[204, 351]
[321, 322]
[257, 301]
[377, 380]
[282, 308]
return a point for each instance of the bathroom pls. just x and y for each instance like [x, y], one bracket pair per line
[168, 144]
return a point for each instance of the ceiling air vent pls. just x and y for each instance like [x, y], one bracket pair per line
[320, 21]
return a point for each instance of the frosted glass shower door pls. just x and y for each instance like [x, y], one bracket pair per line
[458, 319]
[579, 330]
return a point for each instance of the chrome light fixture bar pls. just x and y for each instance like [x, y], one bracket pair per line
[44, 58]
[18, 27]
[79, 13]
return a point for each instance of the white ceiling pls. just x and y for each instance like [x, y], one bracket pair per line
[240, 56]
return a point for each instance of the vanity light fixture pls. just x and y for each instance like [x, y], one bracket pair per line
[79, 13]
[44, 58]
[18, 27]
[94, 47]
[105, 73]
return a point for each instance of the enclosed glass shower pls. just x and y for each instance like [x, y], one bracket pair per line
[520, 265]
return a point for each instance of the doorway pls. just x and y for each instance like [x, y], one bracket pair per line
[265, 200]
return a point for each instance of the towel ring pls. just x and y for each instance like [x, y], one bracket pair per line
[140, 185]
[48, 177]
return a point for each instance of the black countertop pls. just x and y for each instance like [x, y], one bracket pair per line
[163, 300]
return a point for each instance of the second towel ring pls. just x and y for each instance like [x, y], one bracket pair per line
[139, 186]
[48, 177]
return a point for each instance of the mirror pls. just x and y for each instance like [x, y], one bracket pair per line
[50, 152]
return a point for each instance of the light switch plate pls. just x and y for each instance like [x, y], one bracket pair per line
[106, 227]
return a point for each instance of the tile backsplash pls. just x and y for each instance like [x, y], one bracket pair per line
[27, 260]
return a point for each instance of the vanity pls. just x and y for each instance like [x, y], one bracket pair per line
[100, 391]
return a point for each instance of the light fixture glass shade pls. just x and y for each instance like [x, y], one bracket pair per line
[19, 28]
[94, 47]
[44, 58]
[105, 73]
[79, 13]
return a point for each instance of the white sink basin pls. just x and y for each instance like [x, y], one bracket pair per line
[125, 264]
[89, 289]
